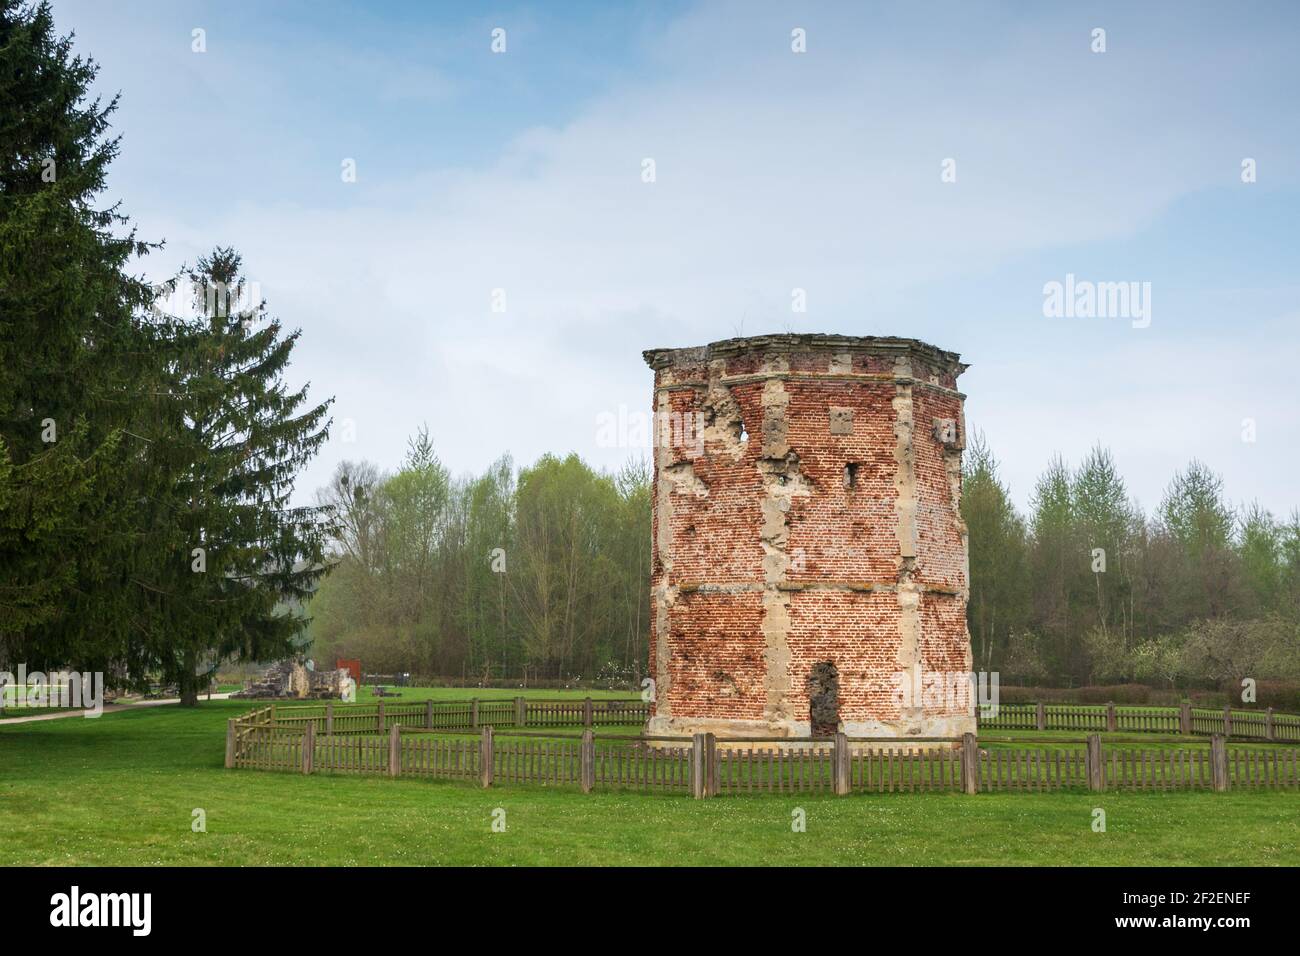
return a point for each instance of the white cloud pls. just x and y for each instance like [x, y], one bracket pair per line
[775, 170]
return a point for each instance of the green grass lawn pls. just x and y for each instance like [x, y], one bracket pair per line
[120, 790]
[9, 712]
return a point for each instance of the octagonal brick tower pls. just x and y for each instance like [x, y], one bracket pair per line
[810, 561]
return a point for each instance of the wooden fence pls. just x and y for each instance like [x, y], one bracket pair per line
[706, 766]
[1187, 720]
[330, 718]
[521, 712]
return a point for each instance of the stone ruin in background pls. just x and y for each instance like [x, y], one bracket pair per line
[293, 680]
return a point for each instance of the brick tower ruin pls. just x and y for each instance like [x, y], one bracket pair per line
[810, 565]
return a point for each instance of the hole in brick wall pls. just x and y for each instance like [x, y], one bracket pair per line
[744, 435]
[824, 699]
[851, 473]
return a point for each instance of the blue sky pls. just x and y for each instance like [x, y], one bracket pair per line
[774, 171]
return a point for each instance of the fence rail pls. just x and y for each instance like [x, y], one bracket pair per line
[1184, 720]
[518, 712]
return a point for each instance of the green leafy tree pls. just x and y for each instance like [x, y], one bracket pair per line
[632, 558]
[1196, 516]
[485, 597]
[1260, 547]
[1289, 572]
[1057, 559]
[565, 519]
[1105, 522]
[999, 573]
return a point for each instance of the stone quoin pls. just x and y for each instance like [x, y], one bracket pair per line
[809, 555]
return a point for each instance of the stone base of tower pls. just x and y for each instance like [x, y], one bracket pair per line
[797, 732]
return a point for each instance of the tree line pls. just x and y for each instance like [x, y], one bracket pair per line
[544, 572]
[148, 439]
[1086, 588]
[547, 573]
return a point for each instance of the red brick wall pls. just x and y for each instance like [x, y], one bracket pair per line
[841, 555]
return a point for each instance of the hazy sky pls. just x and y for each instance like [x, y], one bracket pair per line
[774, 170]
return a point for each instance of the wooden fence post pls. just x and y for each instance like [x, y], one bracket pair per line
[1096, 770]
[710, 765]
[588, 762]
[970, 764]
[394, 751]
[521, 712]
[1218, 763]
[272, 714]
[309, 748]
[1227, 720]
[841, 765]
[380, 717]
[1185, 717]
[473, 713]
[1268, 723]
[329, 718]
[697, 766]
[1112, 719]
[1041, 714]
[484, 753]
[230, 743]
[586, 712]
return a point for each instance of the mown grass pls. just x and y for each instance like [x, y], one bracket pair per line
[10, 712]
[120, 790]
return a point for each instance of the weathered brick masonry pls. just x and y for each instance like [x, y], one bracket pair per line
[817, 523]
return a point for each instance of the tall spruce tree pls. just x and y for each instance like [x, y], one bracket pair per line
[237, 560]
[75, 364]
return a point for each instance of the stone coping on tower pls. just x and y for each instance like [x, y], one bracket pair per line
[800, 342]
